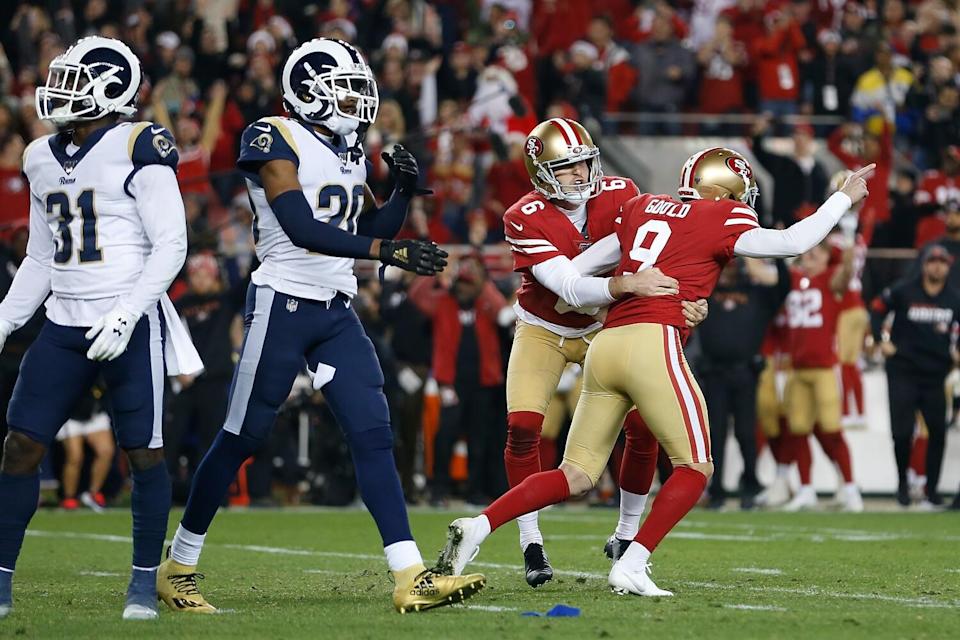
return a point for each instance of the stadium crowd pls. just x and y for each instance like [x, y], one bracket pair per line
[461, 84]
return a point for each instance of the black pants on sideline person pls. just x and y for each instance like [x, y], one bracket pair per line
[910, 392]
[730, 390]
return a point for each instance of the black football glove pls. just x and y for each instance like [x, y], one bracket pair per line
[423, 258]
[403, 167]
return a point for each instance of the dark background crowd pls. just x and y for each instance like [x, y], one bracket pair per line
[461, 83]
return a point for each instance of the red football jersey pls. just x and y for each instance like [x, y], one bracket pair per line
[812, 311]
[538, 231]
[687, 241]
[936, 187]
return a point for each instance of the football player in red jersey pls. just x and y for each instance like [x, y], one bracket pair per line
[571, 205]
[812, 395]
[637, 360]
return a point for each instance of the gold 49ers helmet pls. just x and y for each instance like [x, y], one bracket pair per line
[722, 168]
[555, 143]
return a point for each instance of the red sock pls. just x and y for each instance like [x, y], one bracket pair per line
[852, 386]
[639, 456]
[918, 456]
[548, 453]
[677, 497]
[835, 446]
[536, 492]
[798, 450]
[521, 456]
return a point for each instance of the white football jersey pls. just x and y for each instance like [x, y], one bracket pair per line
[99, 243]
[333, 184]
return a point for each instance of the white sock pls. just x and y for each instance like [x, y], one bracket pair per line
[187, 546]
[783, 470]
[484, 527]
[635, 557]
[631, 510]
[529, 524]
[403, 554]
[148, 569]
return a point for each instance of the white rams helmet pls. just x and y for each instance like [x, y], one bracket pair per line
[95, 77]
[320, 76]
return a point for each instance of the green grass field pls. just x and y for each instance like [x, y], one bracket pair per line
[320, 573]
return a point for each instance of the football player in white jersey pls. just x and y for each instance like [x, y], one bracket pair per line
[107, 237]
[313, 216]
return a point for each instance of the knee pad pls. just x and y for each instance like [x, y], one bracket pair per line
[523, 430]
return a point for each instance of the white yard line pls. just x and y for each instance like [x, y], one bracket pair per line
[753, 607]
[101, 574]
[489, 607]
[808, 592]
[759, 571]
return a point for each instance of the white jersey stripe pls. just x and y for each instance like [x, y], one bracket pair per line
[156, 375]
[532, 250]
[532, 241]
[745, 210]
[249, 360]
[700, 447]
[733, 221]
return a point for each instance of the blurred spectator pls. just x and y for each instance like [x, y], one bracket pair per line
[856, 149]
[777, 54]
[14, 190]
[881, 92]
[801, 170]
[178, 91]
[88, 426]
[615, 62]
[199, 408]
[833, 74]
[949, 241]
[457, 79]
[722, 60]
[902, 228]
[585, 82]
[666, 69]
[468, 366]
[507, 180]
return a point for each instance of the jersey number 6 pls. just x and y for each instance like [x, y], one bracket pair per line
[58, 204]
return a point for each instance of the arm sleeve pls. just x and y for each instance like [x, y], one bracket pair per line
[386, 221]
[295, 216]
[31, 284]
[161, 211]
[797, 238]
[603, 256]
[561, 276]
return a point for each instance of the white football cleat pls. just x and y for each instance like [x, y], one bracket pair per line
[86, 498]
[139, 612]
[850, 499]
[776, 495]
[624, 580]
[806, 498]
[464, 536]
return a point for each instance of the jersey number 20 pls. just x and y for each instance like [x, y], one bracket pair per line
[348, 205]
[58, 204]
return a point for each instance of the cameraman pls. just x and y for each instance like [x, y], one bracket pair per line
[744, 303]
[920, 349]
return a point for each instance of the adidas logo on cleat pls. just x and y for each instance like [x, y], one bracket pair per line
[425, 588]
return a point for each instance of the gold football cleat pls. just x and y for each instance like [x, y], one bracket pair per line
[177, 587]
[418, 589]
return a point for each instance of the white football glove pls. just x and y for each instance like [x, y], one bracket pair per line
[6, 328]
[112, 332]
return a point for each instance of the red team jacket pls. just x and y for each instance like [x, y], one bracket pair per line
[537, 231]
[812, 312]
[690, 242]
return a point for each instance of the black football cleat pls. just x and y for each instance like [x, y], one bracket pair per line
[615, 547]
[536, 565]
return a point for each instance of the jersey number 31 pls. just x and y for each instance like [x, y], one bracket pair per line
[58, 204]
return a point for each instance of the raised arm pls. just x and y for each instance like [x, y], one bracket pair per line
[809, 232]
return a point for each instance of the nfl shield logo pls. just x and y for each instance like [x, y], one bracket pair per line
[292, 305]
[69, 165]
